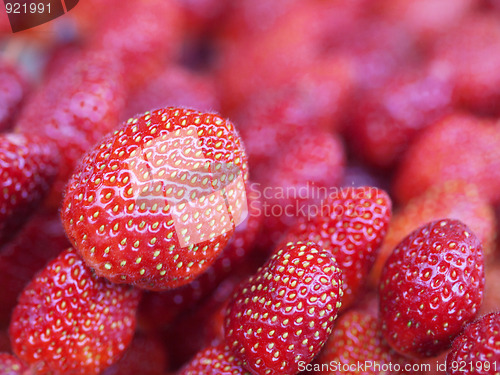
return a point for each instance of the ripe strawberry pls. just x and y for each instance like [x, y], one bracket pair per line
[470, 51]
[202, 325]
[351, 226]
[185, 89]
[453, 199]
[272, 56]
[13, 90]
[158, 309]
[73, 110]
[356, 338]
[376, 49]
[298, 179]
[457, 147]
[145, 355]
[431, 286]
[11, 365]
[69, 321]
[214, 360]
[27, 168]
[427, 20]
[389, 117]
[143, 46]
[41, 240]
[284, 314]
[156, 202]
[477, 350]
[491, 301]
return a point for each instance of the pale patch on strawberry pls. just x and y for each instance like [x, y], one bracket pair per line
[155, 203]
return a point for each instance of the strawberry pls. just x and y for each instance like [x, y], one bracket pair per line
[70, 321]
[298, 178]
[156, 201]
[389, 117]
[41, 240]
[356, 338]
[158, 309]
[13, 90]
[470, 52]
[28, 167]
[431, 286]
[74, 109]
[185, 89]
[214, 360]
[351, 225]
[271, 57]
[202, 325]
[458, 147]
[427, 20]
[453, 199]
[145, 355]
[283, 315]
[491, 301]
[477, 350]
[143, 46]
[10, 365]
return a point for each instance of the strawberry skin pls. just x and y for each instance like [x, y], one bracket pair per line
[455, 200]
[39, 241]
[156, 202]
[13, 90]
[70, 321]
[146, 355]
[457, 147]
[284, 314]
[431, 286]
[356, 338]
[10, 365]
[214, 360]
[351, 226]
[74, 109]
[477, 350]
[27, 169]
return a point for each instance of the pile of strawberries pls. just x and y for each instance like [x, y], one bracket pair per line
[256, 187]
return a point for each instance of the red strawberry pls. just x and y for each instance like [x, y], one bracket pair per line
[453, 199]
[356, 339]
[389, 117]
[143, 36]
[299, 177]
[13, 90]
[427, 19]
[471, 52]
[156, 202]
[157, 309]
[351, 225]
[214, 360]
[145, 355]
[27, 168]
[477, 350]
[74, 109]
[11, 365]
[283, 315]
[431, 286]
[457, 147]
[185, 89]
[68, 320]
[491, 301]
[41, 240]
[202, 325]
